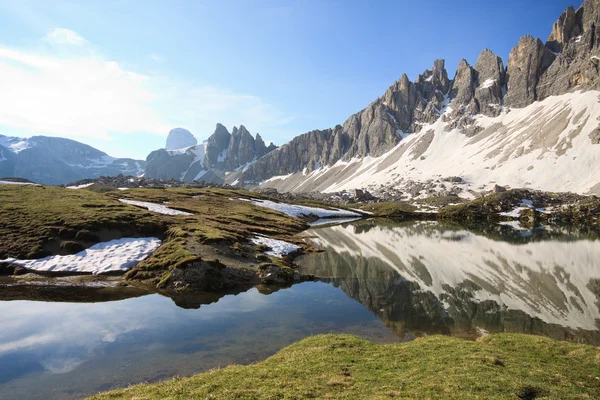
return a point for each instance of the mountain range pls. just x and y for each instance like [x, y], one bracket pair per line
[532, 123]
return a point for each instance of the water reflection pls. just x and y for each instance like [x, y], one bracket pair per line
[424, 278]
[60, 350]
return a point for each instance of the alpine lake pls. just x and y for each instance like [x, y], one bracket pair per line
[384, 281]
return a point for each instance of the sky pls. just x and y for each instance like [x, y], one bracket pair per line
[118, 75]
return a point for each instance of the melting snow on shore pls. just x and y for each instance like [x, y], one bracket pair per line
[113, 256]
[158, 208]
[294, 210]
[16, 183]
[279, 248]
[80, 186]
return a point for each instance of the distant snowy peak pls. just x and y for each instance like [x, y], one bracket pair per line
[15, 144]
[55, 161]
[180, 138]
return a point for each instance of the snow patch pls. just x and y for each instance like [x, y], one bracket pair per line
[16, 183]
[80, 186]
[294, 210]
[487, 83]
[279, 248]
[157, 208]
[115, 255]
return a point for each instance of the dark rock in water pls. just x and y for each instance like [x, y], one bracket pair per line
[207, 275]
[180, 138]
[272, 274]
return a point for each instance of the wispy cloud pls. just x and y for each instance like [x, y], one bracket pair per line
[79, 93]
[65, 36]
[156, 57]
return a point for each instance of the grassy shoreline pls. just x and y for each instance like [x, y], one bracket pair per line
[498, 366]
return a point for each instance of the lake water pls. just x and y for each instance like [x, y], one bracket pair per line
[383, 281]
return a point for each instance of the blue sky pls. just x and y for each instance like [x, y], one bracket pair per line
[119, 74]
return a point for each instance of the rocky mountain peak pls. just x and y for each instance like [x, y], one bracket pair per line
[526, 62]
[491, 78]
[216, 147]
[259, 146]
[563, 30]
[180, 138]
[241, 149]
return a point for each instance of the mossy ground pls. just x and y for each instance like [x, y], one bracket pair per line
[36, 221]
[499, 366]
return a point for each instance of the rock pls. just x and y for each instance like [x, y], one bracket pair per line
[463, 85]
[490, 82]
[498, 189]
[359, 195]
[259, 146]
[464, 105]
[216, 147]
[401, 99]
[577, 65]
[563, 30]
[180, 138]
[241, 149]
[525, 64]
[160, 164]
[595, 136]
[207, 276]
[272, 274]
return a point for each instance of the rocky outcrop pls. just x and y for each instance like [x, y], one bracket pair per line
[490, 83]
[463, 106]
[163, 164]
[241, 149]
[222, 152]
[525, 64]
[563, 30]
[574, 39]
[216, 148]
[259, 146]
[404, 107]
[180, 138]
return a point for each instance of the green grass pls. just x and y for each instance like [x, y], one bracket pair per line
[35, 221]
[499, 366]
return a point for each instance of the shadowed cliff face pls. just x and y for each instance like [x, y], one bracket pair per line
[424, 278]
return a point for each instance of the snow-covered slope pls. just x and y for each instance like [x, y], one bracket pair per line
[545, 145]
[54, 161]
[549, 280]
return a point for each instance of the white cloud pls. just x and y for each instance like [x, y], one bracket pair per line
[156, 57]
[79, 94]
[65, 36]
[73, 97]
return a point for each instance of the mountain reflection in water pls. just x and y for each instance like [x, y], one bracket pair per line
[427, 278]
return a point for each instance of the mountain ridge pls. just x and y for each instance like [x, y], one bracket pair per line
[55, 161]
[534, 71]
